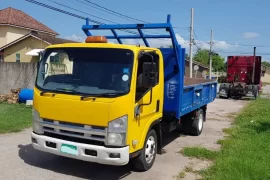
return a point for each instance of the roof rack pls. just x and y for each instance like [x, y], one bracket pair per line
[177, 50]
[167, 26]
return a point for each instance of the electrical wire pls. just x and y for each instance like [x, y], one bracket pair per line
[112, 12]
[81, 11]
[76, 15]
[69, 13]
[102, 7]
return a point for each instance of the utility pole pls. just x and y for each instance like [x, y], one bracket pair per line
[254, 64]
[210, 55]
[191, 42]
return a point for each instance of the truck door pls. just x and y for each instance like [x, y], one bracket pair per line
[149, 104]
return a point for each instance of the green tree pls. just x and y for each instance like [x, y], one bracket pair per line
[218, 62]
[266, 63]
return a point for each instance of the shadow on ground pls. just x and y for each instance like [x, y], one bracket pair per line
[77, 168]
[70, 166]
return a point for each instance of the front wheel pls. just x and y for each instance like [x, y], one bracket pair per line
[146, 159]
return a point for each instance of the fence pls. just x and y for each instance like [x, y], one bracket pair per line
[16, 75]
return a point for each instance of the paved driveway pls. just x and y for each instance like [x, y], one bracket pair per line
[18, 160]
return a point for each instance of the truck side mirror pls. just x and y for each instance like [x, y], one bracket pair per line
[149, 76]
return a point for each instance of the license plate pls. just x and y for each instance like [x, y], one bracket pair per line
[69, 149]
[222, 91]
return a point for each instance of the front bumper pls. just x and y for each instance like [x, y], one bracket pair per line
[101, 155]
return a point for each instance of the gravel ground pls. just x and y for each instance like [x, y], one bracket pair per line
[266, 91]
[20, 161]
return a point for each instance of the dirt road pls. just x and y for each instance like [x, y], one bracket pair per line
[20, 161]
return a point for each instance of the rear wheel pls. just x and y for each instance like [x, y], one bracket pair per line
[197, 124]
[146, 159]
[192, 123]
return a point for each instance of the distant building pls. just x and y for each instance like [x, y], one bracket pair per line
[20, 34]
[200, 73]
[265, 74]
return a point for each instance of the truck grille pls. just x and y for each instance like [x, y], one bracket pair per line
[74, 130]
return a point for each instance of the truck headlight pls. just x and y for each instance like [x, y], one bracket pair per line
[117, 131]
[37, 127]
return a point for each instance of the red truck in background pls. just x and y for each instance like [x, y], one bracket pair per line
[243, 77]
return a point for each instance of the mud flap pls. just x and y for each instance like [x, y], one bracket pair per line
[159, 135]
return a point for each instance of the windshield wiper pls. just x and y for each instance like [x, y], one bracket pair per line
[94, 96]
[110, 94]
[66, 90]
[44, 92]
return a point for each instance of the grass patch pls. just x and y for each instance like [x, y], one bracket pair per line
[246, 153]
[181, 175]
[198, 152]
[188, 169]
[227, 130]
[14, 117]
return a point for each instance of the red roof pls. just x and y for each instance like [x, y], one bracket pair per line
[10, 16]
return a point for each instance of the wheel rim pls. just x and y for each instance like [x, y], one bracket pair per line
[200, 121]
[150, 149]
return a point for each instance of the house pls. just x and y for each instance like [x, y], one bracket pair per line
[26, 48]
[21, 34]
[200, 73]
[265, 78]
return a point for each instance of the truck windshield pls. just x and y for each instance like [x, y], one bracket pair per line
[86, 71]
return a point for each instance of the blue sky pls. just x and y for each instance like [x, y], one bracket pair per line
[244, 22]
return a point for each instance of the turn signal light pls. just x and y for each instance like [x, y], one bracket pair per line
[96, 39]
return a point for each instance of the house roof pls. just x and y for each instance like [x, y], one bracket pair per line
[14, 17]
[45, 38]
[199, 64]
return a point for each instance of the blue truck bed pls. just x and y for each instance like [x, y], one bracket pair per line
[181, 95]
[184, 95]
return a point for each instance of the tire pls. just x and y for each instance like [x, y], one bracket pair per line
[197, 124]
[147, 158]
[256, 89]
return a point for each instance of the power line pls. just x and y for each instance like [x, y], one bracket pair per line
[130, 31]
[80, 11]
[248, 45]
[95, 4]
[112, 12]
[90, 5]
[71, 14]
[60, 10]
[74, 15]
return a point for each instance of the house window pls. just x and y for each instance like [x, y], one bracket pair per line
[55, 59]
[18, 58]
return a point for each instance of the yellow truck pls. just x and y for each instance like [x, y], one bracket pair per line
[110, 103]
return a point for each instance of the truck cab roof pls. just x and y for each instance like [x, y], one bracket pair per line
[101, 45]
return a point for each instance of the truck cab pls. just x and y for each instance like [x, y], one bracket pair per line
[243, 77]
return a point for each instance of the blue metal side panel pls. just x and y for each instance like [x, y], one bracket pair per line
[196, 96]
[171, 83]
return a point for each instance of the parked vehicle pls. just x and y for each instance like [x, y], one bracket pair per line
[110, 103]
[243, 77]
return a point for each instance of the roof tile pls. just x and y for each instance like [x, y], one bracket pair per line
[11, 16]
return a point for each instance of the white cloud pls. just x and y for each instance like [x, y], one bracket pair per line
[250, 35]
[157, 42]
[218, 45]
[76, 37]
